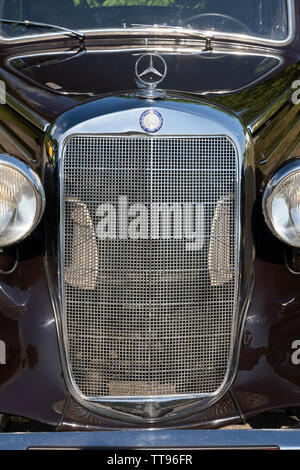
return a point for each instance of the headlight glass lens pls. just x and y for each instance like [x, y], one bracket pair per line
[21, 201]
[282, 208]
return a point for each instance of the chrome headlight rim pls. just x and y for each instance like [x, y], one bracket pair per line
[31, 176]
[289, 169]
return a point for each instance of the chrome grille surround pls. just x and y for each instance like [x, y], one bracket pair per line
[182, 120]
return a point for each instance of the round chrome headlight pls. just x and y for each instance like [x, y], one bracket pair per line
[22, 200]
[281, 204]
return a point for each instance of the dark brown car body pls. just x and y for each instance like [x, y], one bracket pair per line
[32, 382]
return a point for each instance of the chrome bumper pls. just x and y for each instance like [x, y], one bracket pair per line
[150, 440]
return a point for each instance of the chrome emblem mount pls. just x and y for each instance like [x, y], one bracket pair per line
[151, 120]
[150, 70]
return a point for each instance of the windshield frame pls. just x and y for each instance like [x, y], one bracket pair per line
[167, 32]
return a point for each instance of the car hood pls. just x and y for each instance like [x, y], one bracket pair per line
[51, 83]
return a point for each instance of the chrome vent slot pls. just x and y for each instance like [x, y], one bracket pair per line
[149, 271]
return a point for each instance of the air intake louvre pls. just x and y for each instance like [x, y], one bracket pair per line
[149, 310]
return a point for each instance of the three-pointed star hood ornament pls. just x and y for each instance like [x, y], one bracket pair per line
[150, 70]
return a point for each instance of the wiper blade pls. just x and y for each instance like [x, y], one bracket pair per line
[185, 31]
[35, 24]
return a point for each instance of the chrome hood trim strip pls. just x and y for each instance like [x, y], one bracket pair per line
[27, 113]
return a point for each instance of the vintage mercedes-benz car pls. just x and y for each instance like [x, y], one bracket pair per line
[149, 213]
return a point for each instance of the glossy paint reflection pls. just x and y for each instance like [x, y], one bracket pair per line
[29, 380]
[266, 368]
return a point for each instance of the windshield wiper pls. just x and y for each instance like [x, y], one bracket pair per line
[196, 34]
[35, 24]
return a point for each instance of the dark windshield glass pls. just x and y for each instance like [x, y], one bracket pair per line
[260, 18]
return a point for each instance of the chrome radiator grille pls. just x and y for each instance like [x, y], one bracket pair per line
[148, 308]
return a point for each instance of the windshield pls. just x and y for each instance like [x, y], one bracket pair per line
[266, 19]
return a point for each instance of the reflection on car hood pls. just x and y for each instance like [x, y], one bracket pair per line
[54, 82]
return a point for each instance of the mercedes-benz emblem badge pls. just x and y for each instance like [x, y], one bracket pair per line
[151, 120]
[150, 70]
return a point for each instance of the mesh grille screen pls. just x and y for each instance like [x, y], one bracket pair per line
[149, 297]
